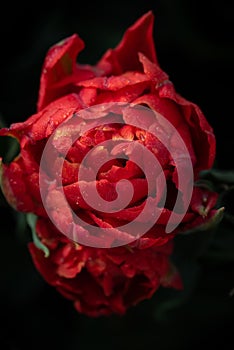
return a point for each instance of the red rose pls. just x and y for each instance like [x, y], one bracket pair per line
[102, 281]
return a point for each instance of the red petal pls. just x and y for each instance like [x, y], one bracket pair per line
[152, 70]
[203, 201]
[15, 189]
[203, 138]
[59, 63]
[42, 124]
[137, 38]
[117, 173]
[43, 265]
[88, 95]
[127, 94]
[114, 83]
[106, 189]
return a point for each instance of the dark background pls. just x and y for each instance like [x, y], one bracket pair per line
[194, 42]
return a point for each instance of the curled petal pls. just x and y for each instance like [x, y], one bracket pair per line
[60, 70]
[138, 38]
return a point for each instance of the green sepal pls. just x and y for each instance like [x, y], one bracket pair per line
[210, 224]
[206, 184]
[31, 220]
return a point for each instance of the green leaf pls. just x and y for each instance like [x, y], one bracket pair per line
[221, 246]
[10, 148]
[206, 184]
[218, 176]
[31, 220]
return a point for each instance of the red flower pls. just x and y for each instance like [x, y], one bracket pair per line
[102, 281]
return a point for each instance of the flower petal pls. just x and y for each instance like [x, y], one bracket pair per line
[60, 63]
[202, 135]
[138, 38]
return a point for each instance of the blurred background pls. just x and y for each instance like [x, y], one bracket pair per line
[194, 42]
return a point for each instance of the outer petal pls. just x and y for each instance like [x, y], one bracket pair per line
[114, 83]
[17, 185]
[43, 123]
[60, 70]
[203, 138]
[138, 38]
[100, 281]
